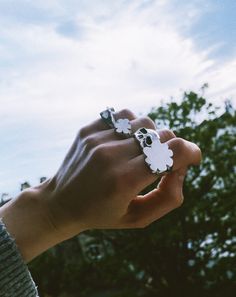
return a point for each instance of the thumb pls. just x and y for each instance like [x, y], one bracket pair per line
[145, 209]
[172, 184]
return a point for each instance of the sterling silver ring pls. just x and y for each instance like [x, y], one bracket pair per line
[108, 116]
[121, 126]
[146, 136]
[158, 156]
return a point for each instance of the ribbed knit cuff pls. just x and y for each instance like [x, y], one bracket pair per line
[15, 278]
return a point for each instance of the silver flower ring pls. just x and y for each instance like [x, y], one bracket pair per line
[158, 155]
[121, 126]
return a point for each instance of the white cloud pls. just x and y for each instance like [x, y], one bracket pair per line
[131, 55]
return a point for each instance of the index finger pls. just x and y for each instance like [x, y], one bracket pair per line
[185, 153]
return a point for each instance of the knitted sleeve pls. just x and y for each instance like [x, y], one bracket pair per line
[15, 278]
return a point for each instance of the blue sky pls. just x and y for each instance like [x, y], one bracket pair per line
[61, 62]
[217, 25]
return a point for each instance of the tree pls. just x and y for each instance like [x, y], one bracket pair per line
[191, 251]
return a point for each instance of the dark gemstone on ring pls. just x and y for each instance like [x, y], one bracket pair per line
[149, 140]
[143, 130]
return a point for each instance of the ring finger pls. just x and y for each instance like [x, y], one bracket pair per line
[99, 125]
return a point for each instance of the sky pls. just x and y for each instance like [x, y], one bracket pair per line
[64, 61]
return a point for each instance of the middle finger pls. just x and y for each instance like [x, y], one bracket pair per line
[108, 135]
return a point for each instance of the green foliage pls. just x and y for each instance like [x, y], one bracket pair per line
[190, 252]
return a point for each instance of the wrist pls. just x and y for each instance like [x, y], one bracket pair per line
[27, 219]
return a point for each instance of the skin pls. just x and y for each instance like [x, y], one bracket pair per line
[97, 187]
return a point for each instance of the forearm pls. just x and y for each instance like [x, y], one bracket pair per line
[26, 219]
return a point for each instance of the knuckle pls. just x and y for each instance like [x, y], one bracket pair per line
[169, 133]
[127, 113]
[90, 142]
[102, 154]
[83, 132]
[148, 123]
[179, 144]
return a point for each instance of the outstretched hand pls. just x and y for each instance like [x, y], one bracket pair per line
[97, 186]
[99, 182]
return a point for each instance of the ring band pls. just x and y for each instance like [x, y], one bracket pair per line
[158, 155]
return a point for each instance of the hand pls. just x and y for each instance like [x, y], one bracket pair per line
[97, 185]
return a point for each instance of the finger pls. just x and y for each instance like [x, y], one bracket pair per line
[143, 210]
[132, 148]
[136, 123]
[185, 153]
[146, 122]
[166, 134]
[142, 122]
[129, 148]
[110, 135]
[100, 125]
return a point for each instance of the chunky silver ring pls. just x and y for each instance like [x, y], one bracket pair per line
[146, 136]
[158, 155]
[121, 126]
[108, 116]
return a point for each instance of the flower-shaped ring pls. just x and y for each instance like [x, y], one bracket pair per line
[123, 127]
[158, 155]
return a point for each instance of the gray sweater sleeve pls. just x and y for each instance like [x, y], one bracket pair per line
[15, 278]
